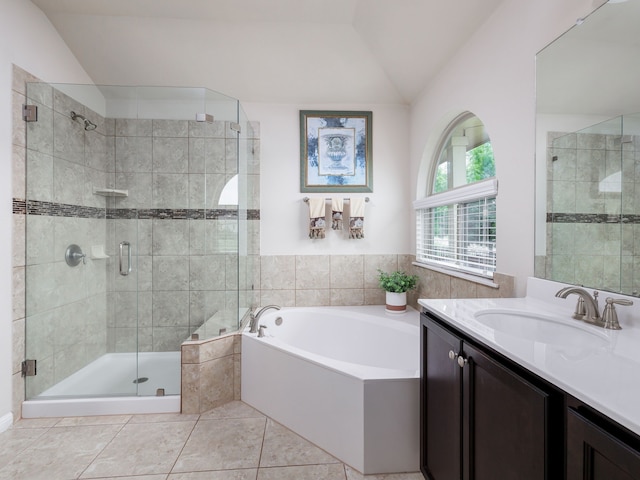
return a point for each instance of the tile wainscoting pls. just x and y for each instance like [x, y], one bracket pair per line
[328, 280]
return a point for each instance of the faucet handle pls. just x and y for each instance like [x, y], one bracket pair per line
[261, 331]
[581, 310]
[609, 315]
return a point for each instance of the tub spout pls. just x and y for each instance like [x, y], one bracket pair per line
[253, 323]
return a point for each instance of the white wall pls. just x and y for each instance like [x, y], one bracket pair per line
[28, 40]
[284, 216]
[494, 77]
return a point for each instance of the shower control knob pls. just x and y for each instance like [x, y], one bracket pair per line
[73, 255]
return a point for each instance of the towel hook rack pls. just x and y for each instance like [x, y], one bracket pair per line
[306, 199]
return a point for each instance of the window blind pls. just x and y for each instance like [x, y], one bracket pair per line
[459, 235]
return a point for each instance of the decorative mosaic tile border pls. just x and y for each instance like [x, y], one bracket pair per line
[52, 209]
[591, 218]
[19, 206]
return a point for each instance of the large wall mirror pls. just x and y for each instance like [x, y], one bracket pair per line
[588, 152]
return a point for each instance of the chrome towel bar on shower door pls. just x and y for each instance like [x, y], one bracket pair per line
[124, 272]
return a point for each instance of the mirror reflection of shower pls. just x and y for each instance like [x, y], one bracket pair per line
[88, 124]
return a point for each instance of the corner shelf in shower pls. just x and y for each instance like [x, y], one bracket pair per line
[111, 192]
[98, 253]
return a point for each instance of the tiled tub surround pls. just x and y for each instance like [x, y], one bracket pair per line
[592, 212]
[210, 372]
[211, 367]
[352, 280]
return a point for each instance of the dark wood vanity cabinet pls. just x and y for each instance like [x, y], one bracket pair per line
[598, 449]
[481, 419]
[441, 404]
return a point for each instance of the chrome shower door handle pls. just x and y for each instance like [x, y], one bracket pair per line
[124, 272]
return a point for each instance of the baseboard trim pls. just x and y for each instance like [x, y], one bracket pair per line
[6, 421]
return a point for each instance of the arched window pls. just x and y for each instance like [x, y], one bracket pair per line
[456, 221]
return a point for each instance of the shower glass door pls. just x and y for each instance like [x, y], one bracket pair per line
[70, 252]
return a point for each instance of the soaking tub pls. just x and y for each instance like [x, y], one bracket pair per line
[345, 378]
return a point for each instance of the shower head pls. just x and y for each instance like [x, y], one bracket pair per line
[88, 124]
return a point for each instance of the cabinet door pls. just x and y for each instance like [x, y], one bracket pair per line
[595, 454]
[441, 406]
[506, 424]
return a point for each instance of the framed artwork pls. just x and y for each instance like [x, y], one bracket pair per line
[335, 151]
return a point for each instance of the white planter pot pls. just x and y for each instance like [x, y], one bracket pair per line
[396, 302]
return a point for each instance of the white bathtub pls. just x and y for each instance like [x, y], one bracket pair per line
[345, 378]
[83, 393]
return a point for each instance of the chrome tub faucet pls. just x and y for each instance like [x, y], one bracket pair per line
[253, 322]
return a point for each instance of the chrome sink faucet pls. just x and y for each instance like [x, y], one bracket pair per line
[587, 306]
[253, 322]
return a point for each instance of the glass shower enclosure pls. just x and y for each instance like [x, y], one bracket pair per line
[138, 202]
[590, 228]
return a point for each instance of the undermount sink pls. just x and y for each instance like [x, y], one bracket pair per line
[543, 328]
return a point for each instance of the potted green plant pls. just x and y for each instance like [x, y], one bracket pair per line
[396, 285]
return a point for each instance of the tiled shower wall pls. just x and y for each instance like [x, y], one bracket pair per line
[186, 243]
[185, 247]
[593, 230]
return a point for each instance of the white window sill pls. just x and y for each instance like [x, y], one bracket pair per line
[487, 282]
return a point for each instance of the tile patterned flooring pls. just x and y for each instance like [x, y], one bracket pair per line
[232, 442]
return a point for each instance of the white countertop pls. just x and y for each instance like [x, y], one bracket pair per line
[604, 374]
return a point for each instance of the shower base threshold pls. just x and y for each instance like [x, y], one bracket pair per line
[114, 384]
[82, 407]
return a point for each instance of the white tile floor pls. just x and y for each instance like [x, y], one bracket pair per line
[233, 442]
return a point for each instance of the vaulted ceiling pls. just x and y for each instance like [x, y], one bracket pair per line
[286, 51]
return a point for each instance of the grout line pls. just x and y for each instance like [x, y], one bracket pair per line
[173, 465]
[105, 446]
[264, 436]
